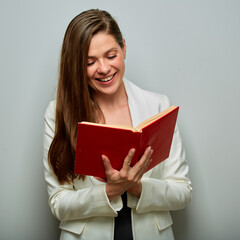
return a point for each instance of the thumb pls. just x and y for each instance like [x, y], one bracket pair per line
[100, 179]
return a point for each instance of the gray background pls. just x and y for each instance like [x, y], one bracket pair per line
[188, 50]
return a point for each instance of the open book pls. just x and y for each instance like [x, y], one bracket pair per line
[114, 141]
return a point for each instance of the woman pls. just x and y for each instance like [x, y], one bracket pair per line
[92, 87]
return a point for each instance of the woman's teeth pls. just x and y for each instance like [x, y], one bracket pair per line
[105, 79]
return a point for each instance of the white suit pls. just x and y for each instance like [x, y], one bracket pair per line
[83, 206]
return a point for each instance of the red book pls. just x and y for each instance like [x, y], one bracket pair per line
[114, 141]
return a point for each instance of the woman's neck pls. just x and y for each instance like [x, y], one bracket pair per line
[114, 108]
[113, 101]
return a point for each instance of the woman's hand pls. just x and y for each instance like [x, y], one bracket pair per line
[128, 178]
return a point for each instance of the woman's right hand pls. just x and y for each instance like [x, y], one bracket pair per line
[120, 181]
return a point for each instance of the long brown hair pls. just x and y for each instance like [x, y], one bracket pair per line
[75, 100]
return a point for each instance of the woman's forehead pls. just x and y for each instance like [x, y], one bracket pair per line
[102, 43]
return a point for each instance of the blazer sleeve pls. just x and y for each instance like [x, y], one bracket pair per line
[168, 186]
[65, 201]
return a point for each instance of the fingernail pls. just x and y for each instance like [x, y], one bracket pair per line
[149, 148]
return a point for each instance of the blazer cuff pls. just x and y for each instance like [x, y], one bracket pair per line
[132, 200]
[116, 204]
[144, 202]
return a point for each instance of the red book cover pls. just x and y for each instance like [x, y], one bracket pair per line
[95, 140]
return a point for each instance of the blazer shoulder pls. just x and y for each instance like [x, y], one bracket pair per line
[151, 99]
[49, 117]
[50, 110]
[160, 99]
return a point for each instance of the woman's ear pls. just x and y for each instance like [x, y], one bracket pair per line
[124, 48]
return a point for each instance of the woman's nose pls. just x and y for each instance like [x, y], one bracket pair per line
[103, 67]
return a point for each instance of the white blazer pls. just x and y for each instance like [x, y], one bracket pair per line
[83, 207]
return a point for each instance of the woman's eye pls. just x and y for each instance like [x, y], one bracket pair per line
[111, 57]
[90, 63]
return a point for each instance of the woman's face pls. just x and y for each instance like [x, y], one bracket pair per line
[106, 65]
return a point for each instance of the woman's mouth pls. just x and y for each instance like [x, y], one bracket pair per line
[107, 79]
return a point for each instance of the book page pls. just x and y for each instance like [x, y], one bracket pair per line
[154, 118]
[112, 126]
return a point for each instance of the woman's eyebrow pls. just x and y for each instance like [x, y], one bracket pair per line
[111, 50]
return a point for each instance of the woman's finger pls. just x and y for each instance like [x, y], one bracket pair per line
[142, 165]
[144, 160]
[128, 160]
[100, 179]
[107, 165]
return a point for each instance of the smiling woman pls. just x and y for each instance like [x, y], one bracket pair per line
[129, 204]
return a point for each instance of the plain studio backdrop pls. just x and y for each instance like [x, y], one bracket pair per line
[189, 50]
